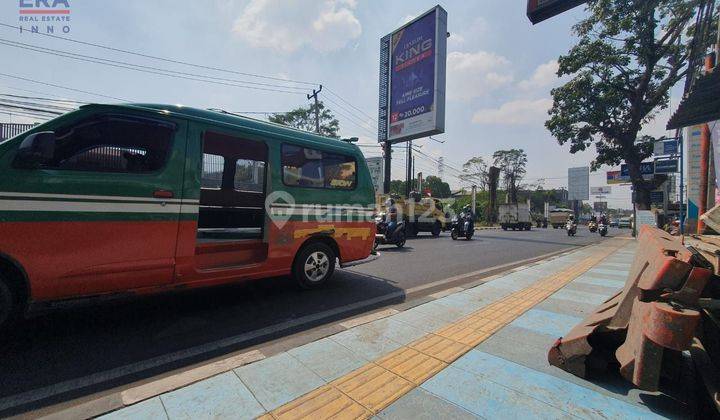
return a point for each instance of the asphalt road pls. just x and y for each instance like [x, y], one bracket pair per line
[114, 340]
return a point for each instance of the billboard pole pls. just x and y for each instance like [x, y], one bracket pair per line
[387, 149]
[409, 168]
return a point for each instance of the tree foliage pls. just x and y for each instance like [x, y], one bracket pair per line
[436, 185]
[475, 171]
[629, 55]
[512, 164]
[303, 118]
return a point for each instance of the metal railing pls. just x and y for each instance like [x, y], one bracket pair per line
[8, 130]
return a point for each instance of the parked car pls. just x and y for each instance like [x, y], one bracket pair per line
[624, 223]
[613, 223]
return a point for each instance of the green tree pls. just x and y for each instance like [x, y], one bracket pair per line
[438, 188]
[397, 187]
[303, 118]
[475, 171]
[629, 55]
[512, 164]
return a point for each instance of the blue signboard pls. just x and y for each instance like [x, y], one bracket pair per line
[666, 166]
[670, 147]
[646, 168]
[412, 79]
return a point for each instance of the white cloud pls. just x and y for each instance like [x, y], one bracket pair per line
[288, 26]
[520, 112]
[471, 75]
[543, 76]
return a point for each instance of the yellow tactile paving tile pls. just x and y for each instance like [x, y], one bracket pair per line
[412, 365]
[463, 334]
[440, 348]
[373, 386]
[323, 403]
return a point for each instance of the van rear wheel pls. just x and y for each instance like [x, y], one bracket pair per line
[8, 304]
[314, 265]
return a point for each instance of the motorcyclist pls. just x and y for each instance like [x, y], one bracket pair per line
[571, 219]
[390, 216]
[603, 219]
[467, 210]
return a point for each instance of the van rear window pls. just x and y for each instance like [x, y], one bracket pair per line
[303, 167]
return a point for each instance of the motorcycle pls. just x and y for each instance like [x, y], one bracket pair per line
[397, 237]
[593, 226]
[571, 228]
[603, 229]
[462, 225]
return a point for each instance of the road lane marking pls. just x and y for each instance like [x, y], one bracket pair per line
[379, 383]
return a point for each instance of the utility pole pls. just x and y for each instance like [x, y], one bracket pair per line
[408, 169]
[387, 154]
[441, 167]
[317, 108]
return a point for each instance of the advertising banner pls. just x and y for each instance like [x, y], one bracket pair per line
[579, 183]
[377, 172]
[615, 177]
[666, 147]
[412, 79]
[666, 166]
[600, 190]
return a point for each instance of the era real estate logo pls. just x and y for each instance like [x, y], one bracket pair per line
[45, 16]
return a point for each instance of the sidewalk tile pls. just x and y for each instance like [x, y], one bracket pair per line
[373, 386]
[567, 307]
[419, 404]
[591, 299]
[323, 403]
[315, 357]
[566, 396]
[436, 310]
[615, 274]
[419, 320]
[593, 288]
[151, 409]
[220, 396]
[600, 281]
[396, 331]
[488, 399]
[365, 343]
[487, 291]
[278, 380]
[412, 365]
[546, 322]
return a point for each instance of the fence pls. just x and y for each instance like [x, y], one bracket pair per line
[8, 130]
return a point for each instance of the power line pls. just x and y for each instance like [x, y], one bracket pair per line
[169, 60]
[353, 106]
[144, 69]
[63, 87]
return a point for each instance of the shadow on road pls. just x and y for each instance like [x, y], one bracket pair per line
[70, 344]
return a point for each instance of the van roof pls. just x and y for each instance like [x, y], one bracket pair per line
[211, 116]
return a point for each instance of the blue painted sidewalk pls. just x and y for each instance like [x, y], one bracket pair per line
[506, 376]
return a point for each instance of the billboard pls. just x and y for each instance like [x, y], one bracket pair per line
[665, 147]
[412, 79]
[600, 190]
[666, 166]
[646, 168]
[692, 154]
[539, 10]
[600, 206]
[616, 177]
[579, 183]
[377, 172]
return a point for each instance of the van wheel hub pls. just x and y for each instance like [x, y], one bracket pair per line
[317, 265]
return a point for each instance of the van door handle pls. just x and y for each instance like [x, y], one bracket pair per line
[163, 194]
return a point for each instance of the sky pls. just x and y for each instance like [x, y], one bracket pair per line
[500, 68]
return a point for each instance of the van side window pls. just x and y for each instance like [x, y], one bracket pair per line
[249, 175]
[303, 167]
[212, 171]
[113, 145]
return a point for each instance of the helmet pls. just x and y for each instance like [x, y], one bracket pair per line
[466, 207]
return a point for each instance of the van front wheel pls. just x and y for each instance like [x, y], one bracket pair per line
[314, 265]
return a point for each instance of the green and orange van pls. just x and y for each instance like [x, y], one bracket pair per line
[142, 198]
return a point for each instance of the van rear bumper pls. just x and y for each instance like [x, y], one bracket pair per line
[372, 257]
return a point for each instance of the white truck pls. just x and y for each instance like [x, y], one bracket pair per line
[515, 216]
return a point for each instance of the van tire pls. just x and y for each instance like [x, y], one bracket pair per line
[314, 265]
[9, 308]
